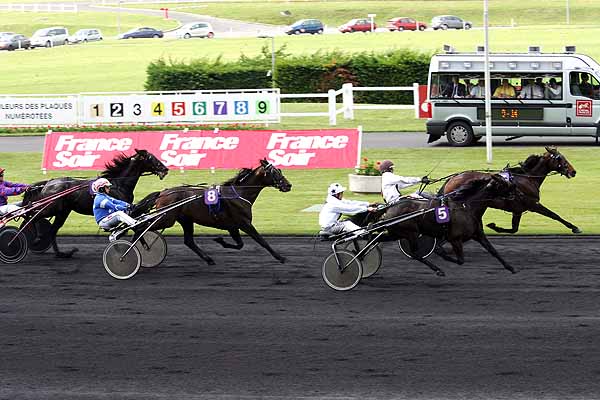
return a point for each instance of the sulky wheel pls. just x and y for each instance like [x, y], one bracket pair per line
[425, 246]
[38, 235]
[116, 265]
[13, 245]
[345, 277]
[371, 262]
[153, 249]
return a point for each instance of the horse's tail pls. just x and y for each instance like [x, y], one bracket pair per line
[145, 205]
[34, 192]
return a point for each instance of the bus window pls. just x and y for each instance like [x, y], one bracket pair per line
[588, 85]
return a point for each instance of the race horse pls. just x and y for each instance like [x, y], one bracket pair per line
[465, 209]
[528, 178]
[232, 212]
[123, 172]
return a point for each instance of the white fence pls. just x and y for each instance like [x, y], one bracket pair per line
[43, 7]
[348, 106]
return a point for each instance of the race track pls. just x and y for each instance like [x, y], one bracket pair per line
[250, 327]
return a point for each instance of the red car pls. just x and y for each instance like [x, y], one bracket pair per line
[405, 24]
[358, 25]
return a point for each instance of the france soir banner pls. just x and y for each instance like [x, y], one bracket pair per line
[328, 148]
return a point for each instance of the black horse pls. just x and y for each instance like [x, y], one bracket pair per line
[232, 213]
[466, 206]
[123, 172]
[528, 178]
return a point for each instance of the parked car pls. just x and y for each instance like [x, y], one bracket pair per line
[144, 32]
[305, 26]
[50, 37]
[85, 35]
[14, 41]
[195, 29]
[450, 21]
[405, 24]
[358, 25]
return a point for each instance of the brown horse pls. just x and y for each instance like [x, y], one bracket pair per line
[528, 179]
[232, 213]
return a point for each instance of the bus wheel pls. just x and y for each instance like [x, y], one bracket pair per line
[459, 134]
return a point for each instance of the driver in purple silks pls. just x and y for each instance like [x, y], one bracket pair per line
[9, 189]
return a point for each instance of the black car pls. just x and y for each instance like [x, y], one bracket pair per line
[14, 41]
[144, 32]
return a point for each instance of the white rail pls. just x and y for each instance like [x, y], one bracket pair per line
[43, 7]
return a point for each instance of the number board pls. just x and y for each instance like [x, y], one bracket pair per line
[238, 106]
[510, 113]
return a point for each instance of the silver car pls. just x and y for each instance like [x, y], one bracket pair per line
[450, 21]
[196, 29]
[50, 37]
[85, 35]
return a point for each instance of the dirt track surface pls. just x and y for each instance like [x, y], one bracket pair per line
[188, 330]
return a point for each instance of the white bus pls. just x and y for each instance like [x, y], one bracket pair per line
[533, 94]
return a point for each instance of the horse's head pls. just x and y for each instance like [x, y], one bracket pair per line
[558, 162]
[149, 163]
[273, 176]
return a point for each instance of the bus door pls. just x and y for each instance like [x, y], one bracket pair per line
[582, 93]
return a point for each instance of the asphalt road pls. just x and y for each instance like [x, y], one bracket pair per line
[250, 327]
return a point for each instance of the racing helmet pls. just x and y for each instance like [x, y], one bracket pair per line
[386, 166]
[99, 184]
[335, 188]
[1, 171]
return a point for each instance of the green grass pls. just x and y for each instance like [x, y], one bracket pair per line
[280, 213]
[334, 13]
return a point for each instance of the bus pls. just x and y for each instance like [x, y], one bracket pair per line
[533, 94]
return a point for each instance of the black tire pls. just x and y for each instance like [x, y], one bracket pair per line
[210, 35]
[320, 32]
[477, 139]
[155, 36]
[187, 36]
[342, 280]
[467, 26]
[421, 28]
[444, 27]
[460, 134]
[400, 29]
[17, 250]
[297, 32]
[84, 40]
[425, 246]
[38, 236]
[123, 268]
[48, 44]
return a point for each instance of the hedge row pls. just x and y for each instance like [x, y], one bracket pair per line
[314, 73]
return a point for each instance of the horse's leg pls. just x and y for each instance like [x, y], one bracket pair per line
[483, 240]
[252, 232]
[440, 251]
[188, 239]
[412, 239]
[235, 235]
[59, 221]
[540, 209]
[516, 220]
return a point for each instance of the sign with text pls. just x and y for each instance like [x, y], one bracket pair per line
[38, 110]
[328, 148]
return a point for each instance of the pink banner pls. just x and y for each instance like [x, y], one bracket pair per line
[329, 148]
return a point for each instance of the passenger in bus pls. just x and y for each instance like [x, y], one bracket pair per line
[505, 90]
[540, 82]
[454, 89]
[531, 90]
[575, 91]
[468, 86]
[478, 90]
[586, 87]
[553, 90]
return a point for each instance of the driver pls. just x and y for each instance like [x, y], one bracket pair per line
[108, 211]
[335, 206]
[391, 184]
[9, 189]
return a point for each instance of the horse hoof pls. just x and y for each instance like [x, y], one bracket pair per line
[576, 230]
[210, 261]
[282, 260]
[67, 254]
[440, 273]
[491, 225]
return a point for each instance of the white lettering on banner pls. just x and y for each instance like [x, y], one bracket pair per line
[172, 159]
[280, 157]
[280, 140]
[68, 159]
[176, 142]
[69, 143]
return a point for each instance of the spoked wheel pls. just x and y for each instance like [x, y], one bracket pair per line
[116, 265]
[12, 253]
[345, 277]
[371, 262]
[425, 246]
[38, 235]
[153, 249]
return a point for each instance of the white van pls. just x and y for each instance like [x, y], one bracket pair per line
[50, 37]
[533, 94]
[196, 29]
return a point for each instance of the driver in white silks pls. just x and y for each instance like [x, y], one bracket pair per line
[335, 206]
[391, 184]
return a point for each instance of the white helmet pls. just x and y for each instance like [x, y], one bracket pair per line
[335, 188]
[100, 183]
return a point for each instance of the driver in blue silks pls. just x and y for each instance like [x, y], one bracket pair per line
[108, 211]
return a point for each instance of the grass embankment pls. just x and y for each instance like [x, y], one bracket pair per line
[280, 213]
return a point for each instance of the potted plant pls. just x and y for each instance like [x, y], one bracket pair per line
[366, 177]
